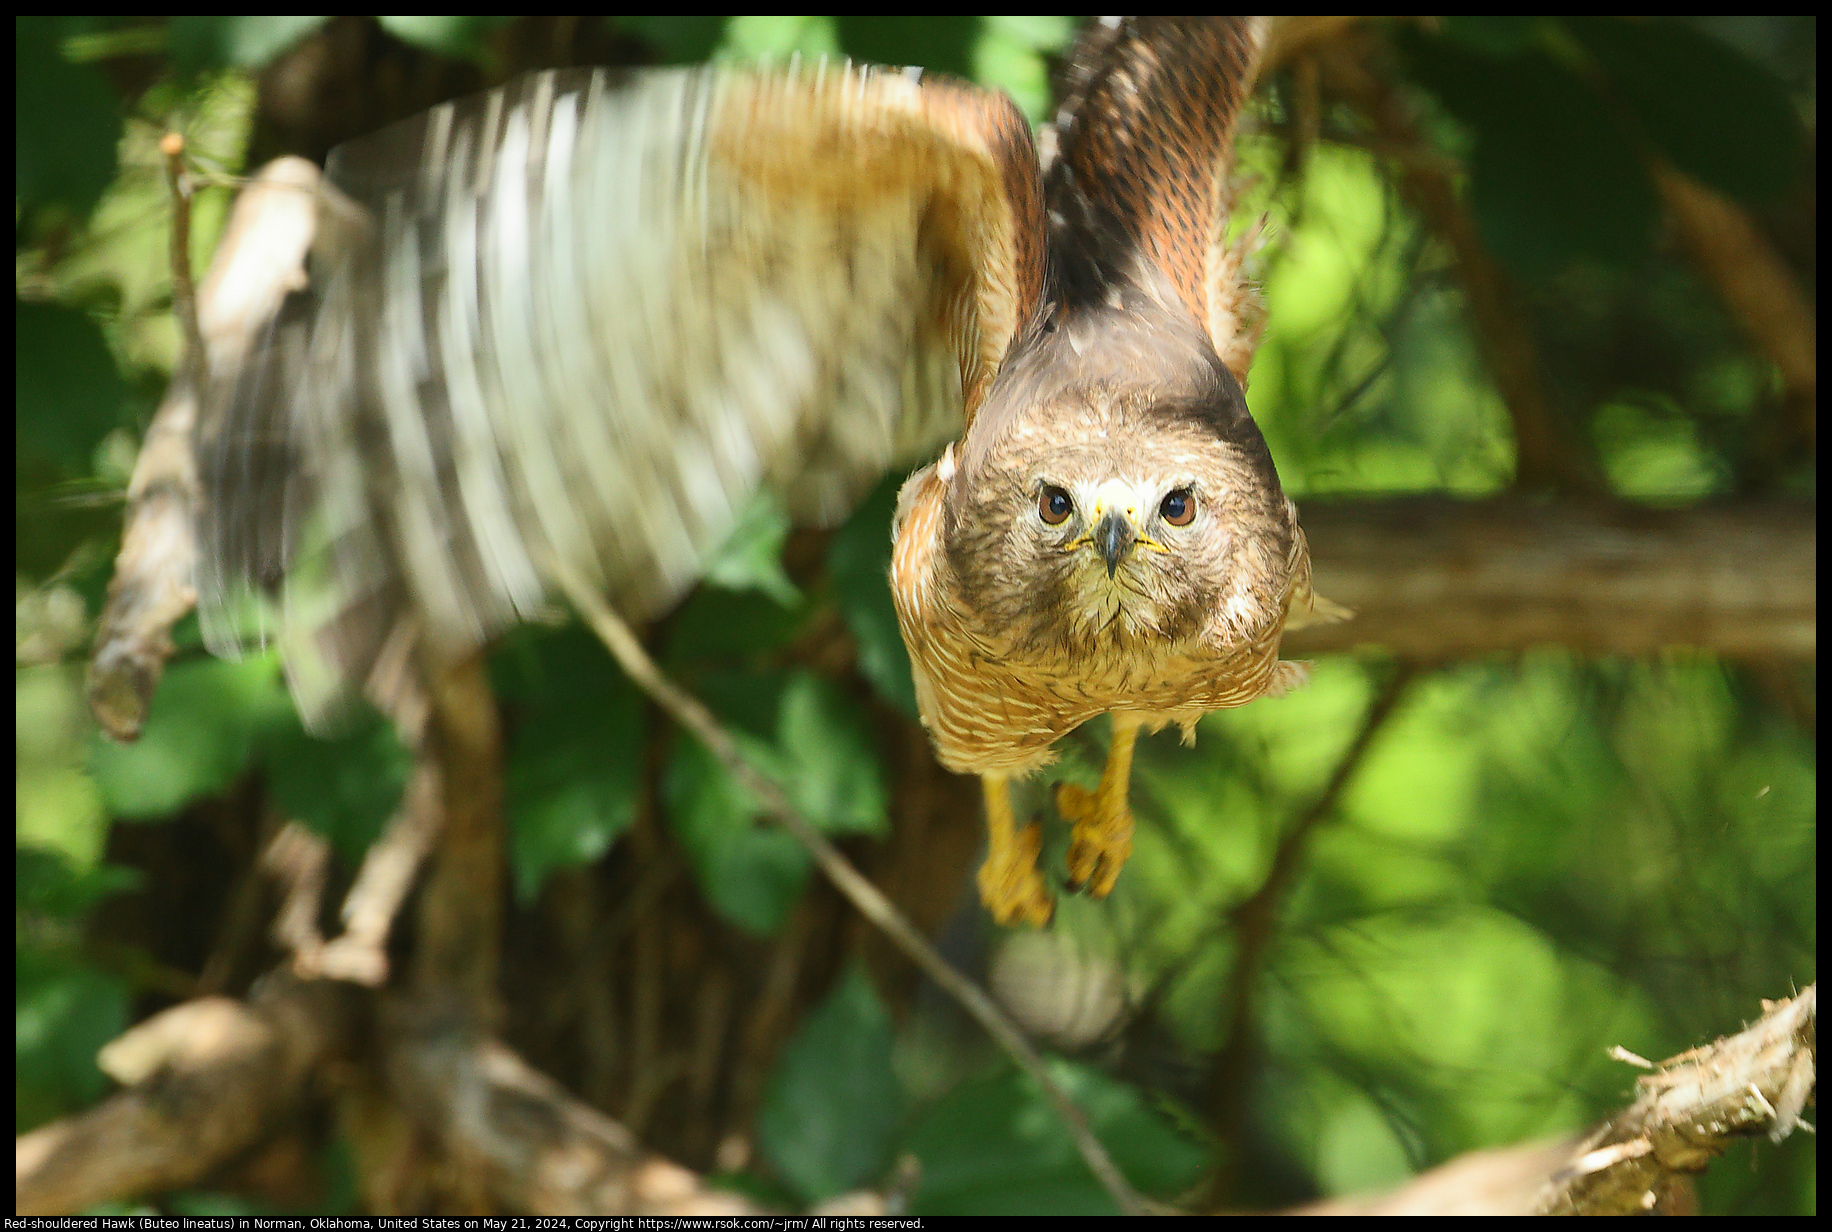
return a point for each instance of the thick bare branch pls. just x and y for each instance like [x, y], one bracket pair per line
[1639, 1162]
[261, 258]
[1431, 578]
[1500, 1181]
[208, 1079]
[538, 1150]
[461, 902]
[1689, 1110]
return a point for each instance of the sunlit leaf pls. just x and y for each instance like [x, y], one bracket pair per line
[778, 37]
[1010, 53]
[462, 37]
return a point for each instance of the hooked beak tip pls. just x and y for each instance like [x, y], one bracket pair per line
[1114, 537]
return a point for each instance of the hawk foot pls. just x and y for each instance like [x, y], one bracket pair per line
[1102, 840]
[1010, 885]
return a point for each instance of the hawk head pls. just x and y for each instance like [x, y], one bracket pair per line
[1114, 496]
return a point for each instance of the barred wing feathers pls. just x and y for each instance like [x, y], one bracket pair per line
[586, 317]
[1143, 177]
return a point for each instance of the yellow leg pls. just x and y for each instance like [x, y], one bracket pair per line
[1103, 824]
[1010, 885]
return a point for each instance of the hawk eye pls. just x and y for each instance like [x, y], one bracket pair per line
[1179, 507]
[1054, 505]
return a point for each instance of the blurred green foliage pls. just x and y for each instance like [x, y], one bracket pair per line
[1540, 856]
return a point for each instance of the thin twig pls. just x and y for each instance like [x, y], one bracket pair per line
[184, 290]
[301, 860]
[389, 870]
[864, 896]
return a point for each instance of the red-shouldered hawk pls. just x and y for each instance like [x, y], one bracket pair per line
[585, 317]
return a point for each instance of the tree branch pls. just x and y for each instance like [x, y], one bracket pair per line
[1639, 1162]
[210, 1078]
[1689, 1109]
[1754, 283]
[865, 897]
[461, 902]
[1433, 578]
[207, 1079]
[261, 258]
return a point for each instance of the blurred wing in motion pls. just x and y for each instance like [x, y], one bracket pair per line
[586, 317]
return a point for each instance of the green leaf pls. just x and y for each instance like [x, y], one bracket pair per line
[831, 1110]
[997, 1147]
[345, 788]
[64, 1012]
[1717, 115]
[46, 883]
[67, 124]
[828, 754]
[751, 557]
[716, 623]
[751, 875]
[685, 38]
[804, 734]
[1495, 35]
[938, 43]
[69, 392]
[59, 809]
[221, 41]
[198, 738]
[575, 752]
[859, 564]
[1011, 55]
[813, 740]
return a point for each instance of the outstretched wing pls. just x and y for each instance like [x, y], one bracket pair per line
[1143, 176]
[586, 317]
